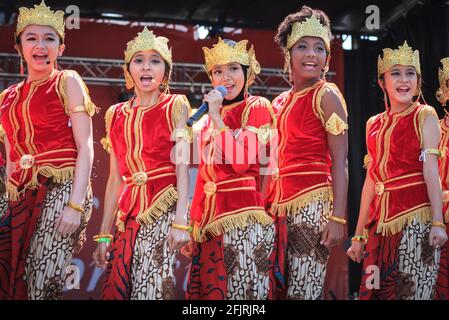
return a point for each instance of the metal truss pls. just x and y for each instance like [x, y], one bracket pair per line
[187, 77]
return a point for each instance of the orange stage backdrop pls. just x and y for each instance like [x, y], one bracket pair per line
[90, 41]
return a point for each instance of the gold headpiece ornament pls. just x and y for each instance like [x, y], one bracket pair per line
[404, 56]
[442, 94]
[41, 15]
[223, 53]
[311, 27]
[146, 40]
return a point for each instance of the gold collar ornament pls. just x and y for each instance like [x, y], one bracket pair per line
[40, 15]
[442, 94]
[223, 53]
[144, 41]
[404, 56]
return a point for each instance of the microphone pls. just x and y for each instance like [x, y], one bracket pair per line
[204, 108]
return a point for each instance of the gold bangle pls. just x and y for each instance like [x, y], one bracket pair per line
[75, 206]
[337, 219]
[360, 239]
[439, 224]
[101, 236]
[181, 227]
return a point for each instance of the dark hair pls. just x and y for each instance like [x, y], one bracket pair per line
[285, 28]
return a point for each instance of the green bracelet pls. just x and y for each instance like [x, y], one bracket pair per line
[99, 240]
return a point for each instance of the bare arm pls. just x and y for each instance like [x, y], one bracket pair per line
[178, 238]
[82, 133]
[431, 140]
[112, 193]
[338, 148]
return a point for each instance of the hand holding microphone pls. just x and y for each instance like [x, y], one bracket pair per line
[211, 97]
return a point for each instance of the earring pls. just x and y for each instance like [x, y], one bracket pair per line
[387, 107]
[128, 79]
[22, 71]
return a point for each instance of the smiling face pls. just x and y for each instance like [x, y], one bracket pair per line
[230, 76]
[40, 47]
[147, 69]
[308, 58]
[401, 84]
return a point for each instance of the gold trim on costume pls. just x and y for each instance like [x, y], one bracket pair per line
[366, 161]
[61, 86]
[106, 141]
[425, 112]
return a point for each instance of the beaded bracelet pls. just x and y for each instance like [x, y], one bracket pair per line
[439, 224]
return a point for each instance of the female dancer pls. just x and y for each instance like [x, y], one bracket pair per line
[152, 208]
[49, 151]
[401, 206]
[442, 286]
[307, 195]
[232, 232]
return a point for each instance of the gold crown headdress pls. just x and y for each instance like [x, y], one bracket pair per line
[223, 53]
[146, 40]
[404, 56]
[40, 15]
[311, 27]
[442, 94]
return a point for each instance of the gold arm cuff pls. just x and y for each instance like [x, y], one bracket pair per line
[76, 109]
[336, 125]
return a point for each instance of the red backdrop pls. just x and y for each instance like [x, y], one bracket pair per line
[90, 41]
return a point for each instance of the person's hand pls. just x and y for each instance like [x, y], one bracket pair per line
[68, 222]
[332, 235]
[101, 255]
[355, 252]
[215, 101]
[437, 236]
[177, 239]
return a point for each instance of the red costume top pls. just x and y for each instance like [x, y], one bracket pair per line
[141, 139]
[227, 193]
[36, 121]
[444, 167]
[394, 143]
[304, 163]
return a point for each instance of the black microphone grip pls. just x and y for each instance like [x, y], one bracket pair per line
[204, 108]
